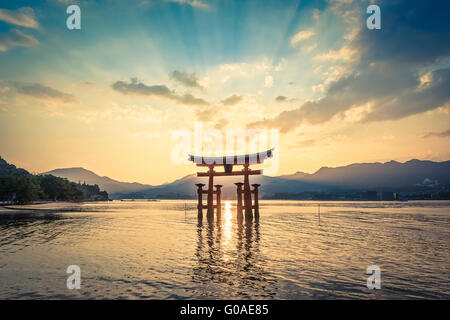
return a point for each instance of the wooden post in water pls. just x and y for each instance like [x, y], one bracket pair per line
[256, 201]
[210, 211]
[218, 201]
[247, 195]
[200, 200]
[239, 201]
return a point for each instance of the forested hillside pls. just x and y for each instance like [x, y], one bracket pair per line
[19, 186]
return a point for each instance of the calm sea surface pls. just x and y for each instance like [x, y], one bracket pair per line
[158, 250]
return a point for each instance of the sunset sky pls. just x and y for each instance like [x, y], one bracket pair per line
[108, 97]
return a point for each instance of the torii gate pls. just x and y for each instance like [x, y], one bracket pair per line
[227, 162]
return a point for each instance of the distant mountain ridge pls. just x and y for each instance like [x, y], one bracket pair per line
[79, 174]
[391, 175]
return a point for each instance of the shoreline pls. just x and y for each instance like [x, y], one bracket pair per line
[37, 205]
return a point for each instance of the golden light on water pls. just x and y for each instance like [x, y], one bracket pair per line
[227, 210]
[227, 223]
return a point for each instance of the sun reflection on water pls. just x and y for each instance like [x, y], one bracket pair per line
[227, 222]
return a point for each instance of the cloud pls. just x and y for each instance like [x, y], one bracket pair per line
[138, 88]
[443, 134]
[322, 141]
[191, 100]
[284, 99]
[346, 53]
[309, 48]
[40, 91]
[316, 14]
[220, 124]
[187, 79]
[305, 143]
[23, 17]
[210, 114]
[388, 72]
[16, 38]
[232, 100]
[206, 115]
[192, 3]
[302, 35]
[268, 81]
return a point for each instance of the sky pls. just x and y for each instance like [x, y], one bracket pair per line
[111, 96]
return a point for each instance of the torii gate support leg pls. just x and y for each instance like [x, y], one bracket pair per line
[240, 216]
[200, 200]
[218, 201]
[256, 201]
[210, 211]
[247, 195]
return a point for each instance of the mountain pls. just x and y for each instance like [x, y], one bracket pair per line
[389, 175]
[19, 186]
[393, 176]
[89, 177]
[185, 187]
[295, 176]
[7, 169]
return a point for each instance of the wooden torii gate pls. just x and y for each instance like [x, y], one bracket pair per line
[228, 162]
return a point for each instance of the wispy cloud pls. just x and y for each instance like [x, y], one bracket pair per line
[23, 17]
[139, 88]
[302, 35]
[136, 87]
[186, 79]
[221, 123]
[36, 90]
[284, 99]
[346, 53]
[16, 38]
[443, 134]
[308, 49]
[206, 114]
[192, 3]
[281, 99]
[40, 91]
[232, 100]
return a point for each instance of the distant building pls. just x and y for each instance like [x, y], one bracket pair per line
[369, 195]
[388, 196]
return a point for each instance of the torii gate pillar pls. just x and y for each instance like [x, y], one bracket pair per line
[247, 195]
[256, 201]
[218, 200]
[200, 199]
[240, 216]
[210, 211]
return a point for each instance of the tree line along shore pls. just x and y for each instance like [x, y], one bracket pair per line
[18, 186]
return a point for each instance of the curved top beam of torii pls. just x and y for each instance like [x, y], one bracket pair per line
[253, 158]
